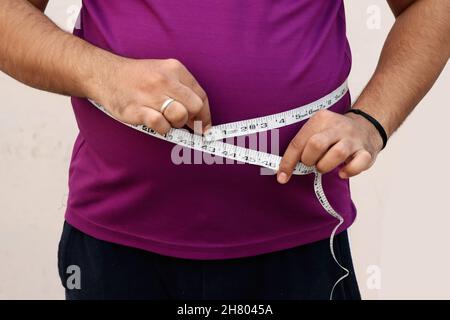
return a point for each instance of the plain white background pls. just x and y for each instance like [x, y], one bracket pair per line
[399, 239]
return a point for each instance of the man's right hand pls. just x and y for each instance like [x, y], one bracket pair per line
[133, 91]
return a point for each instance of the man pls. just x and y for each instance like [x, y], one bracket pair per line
[140, 226]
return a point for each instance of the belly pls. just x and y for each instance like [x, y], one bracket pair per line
[252, 60]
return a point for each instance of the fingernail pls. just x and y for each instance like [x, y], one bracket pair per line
[282, 178]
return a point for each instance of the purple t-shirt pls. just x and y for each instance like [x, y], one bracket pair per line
[253, 58]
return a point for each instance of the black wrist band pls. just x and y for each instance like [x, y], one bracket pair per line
[374, 121]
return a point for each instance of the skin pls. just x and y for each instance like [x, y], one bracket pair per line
[414, 54]
[30, 45]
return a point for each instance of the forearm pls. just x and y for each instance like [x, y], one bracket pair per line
[36, 52]
[415, 52]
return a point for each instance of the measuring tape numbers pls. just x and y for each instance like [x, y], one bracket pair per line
[211, 143]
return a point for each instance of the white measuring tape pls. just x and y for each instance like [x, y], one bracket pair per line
[210, 143]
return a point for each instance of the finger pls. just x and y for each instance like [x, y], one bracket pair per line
[204, 115]
[200, 126]
[187, 97]
[290, 159]
[186, 78]
[317, 146]
[294, 151]
[147, 116]
[317, 123]
[176, 113]
[336, 155]
[362, 160]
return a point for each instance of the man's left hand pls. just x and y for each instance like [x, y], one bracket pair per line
[329, 139]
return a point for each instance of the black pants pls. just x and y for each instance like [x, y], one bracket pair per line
[93, 269]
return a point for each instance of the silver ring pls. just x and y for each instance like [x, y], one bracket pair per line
[166, 104]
